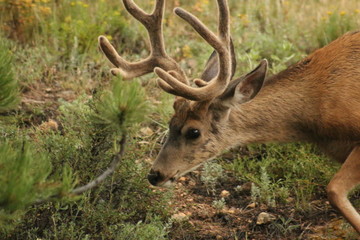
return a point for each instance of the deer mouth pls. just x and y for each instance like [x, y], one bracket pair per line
[156, 178]
[170, 181]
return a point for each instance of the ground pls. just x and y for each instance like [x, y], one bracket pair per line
[199, 219]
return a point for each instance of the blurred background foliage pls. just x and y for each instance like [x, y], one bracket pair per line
[61, 112]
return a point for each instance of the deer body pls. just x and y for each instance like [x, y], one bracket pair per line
[316, 100]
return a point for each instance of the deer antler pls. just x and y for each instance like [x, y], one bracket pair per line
[172, 78]
[158, 56]
[221, 44]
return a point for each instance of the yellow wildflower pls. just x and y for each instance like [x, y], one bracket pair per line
[68, 18]
[357, 10]
[242, 16]
[109, 37]
[342, 13]
[244, 19]
[186, 51]
[329, 13]
[45, 10]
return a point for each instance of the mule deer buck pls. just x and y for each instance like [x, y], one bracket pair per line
[316, 100]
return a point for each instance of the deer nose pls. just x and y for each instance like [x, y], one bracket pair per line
[155, 177]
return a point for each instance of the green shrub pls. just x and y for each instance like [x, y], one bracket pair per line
[118, 109]
[153, 229]
[280, 171]
[22, 173]
[9, 92]
[22, 180]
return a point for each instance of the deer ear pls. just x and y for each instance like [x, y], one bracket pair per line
[245, 88]
[212, 66]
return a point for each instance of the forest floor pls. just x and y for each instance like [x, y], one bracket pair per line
[239, 218]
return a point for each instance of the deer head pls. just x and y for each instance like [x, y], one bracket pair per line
[199, 129]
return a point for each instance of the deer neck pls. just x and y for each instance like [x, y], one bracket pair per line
[281, 112]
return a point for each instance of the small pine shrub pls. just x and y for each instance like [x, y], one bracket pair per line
[22, 180]
[118, 109]
[8, 85]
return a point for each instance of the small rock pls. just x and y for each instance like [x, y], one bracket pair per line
[146, 131]
[251, 205]
[232, 210]
[148, 160]
[182, 179]
[224, 194]
[265, 217]
[179, 217]
[188, 213]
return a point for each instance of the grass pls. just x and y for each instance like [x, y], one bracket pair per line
[51, 71]
[278, 172]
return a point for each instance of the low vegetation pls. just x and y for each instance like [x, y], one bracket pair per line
[62, 116]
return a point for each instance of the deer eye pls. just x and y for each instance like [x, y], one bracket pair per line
[192, 133]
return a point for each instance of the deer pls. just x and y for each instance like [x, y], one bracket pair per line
[316, 100]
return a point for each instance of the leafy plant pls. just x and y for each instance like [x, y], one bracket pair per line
[212, 172]
[219, 204]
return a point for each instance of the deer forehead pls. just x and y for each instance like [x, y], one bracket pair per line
[190, 115]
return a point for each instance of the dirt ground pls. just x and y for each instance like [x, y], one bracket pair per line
[195, 216]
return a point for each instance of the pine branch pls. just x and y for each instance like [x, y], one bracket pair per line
[94, 183]
[106, 173]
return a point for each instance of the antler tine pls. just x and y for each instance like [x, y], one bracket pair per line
[221, 44]
[224, 21]
[172, 85]
[124, 68]
[158, 56]
[204, 32]
[136, 12]
[152, 22]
